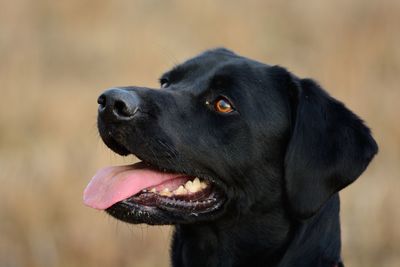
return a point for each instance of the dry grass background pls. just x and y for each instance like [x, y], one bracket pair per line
[57, 56]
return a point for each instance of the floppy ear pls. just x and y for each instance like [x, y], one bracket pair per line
[329, 148]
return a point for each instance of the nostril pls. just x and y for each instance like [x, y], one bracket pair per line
[122, 109]
[102, 101]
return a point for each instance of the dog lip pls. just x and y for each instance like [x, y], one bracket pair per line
[170, 212]
[143, 207]
[202, 201]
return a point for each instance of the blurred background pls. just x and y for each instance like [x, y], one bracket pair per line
[57, 56]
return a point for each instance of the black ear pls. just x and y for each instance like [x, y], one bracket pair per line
[329, 148]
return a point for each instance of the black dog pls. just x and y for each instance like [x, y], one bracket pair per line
[245, 159]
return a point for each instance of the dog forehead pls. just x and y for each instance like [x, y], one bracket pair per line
[200, 66]
[196, 74]
[214, 61]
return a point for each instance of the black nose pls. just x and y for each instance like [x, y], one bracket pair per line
[118, 104]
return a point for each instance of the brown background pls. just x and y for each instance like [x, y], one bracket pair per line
[57, 56]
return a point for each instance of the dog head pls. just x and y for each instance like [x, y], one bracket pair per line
[223, 135]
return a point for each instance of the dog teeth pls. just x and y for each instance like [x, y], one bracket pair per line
[166, 192]
[180, 191]
[193, 186]
[203, 185]
[200, 184]
[188, 184]
[189, 187]
[196, 182]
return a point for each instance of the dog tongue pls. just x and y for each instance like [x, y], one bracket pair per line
[113, 184]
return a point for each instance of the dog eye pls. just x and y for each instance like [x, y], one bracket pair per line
[223, 105]
[164, 83]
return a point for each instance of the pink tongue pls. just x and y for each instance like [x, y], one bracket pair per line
[113, 184]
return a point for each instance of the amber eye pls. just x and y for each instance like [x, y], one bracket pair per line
[222, 105]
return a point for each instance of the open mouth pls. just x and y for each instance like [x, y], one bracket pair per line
[135, 192]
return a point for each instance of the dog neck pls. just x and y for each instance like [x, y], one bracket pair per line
[272, 240]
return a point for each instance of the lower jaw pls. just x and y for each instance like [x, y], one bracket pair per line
[163, 210]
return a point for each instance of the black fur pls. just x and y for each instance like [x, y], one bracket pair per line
[279, 158]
